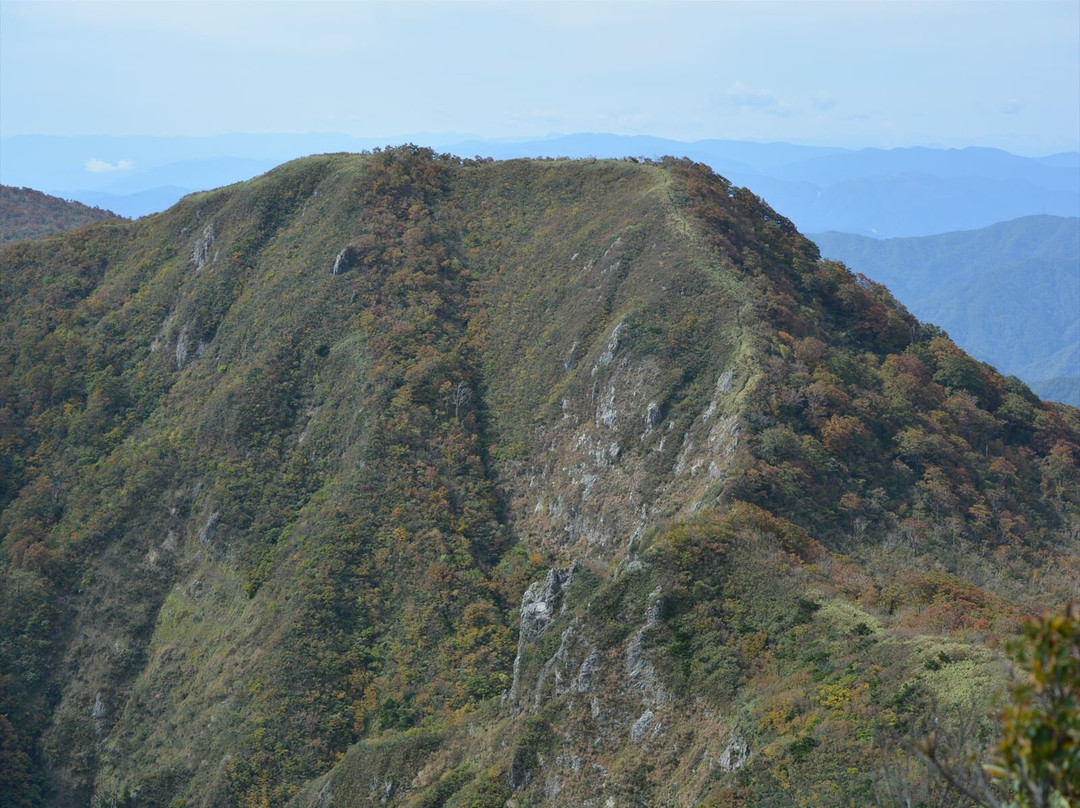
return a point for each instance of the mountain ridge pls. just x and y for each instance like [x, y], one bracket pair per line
[402, 478]
[889, 192]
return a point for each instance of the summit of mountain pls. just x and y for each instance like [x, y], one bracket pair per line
[897, 192]
[402, 479]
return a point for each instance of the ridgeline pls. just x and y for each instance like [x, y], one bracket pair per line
[400, 479]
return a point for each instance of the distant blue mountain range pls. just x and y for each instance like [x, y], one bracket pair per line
[873, 192]
[1009, 294]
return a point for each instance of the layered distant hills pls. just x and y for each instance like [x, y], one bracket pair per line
[400, 480]
[26, 213]
[873, 192]
[1009, 293]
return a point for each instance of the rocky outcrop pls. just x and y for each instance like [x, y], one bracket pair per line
[641, 677]
[735, 754]
[542, 601]
[181, 349]
[200, 253]
[540, 605]
[344, 261]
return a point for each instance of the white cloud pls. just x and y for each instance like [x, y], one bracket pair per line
[763, 101]
[100, 166]
[744, 96]
[1012, 106]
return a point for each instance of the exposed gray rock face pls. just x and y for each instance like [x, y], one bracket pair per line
[571, 669]
[640, 673]
[200, 254]
[206, 535]
[735, 754]
[541, 603]
[724, 383]
[344, 261]
[652, 416]
[99, 714]
[588, 669]
[181, 349]
[98, 710]
[608, 356]
[556, 665]
[641, 726]
[571, 357]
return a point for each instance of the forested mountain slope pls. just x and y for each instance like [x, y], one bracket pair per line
[25, 213]
[1009, 293]
[396, 479]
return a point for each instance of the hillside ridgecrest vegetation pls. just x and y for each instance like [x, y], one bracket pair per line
[285, 466]
[26, 213]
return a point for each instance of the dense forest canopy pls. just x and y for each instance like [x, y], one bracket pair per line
[26, 213]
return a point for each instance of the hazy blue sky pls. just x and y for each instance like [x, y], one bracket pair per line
[849, 73]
